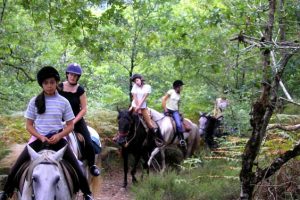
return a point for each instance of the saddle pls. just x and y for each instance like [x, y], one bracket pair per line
[185, 125]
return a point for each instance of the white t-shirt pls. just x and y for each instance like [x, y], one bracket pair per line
[173, 100]
[140, 92]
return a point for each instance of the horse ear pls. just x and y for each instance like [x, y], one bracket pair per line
[130, 110]
[118, 109]
[33, 154]
[200, 113]
[59, 154]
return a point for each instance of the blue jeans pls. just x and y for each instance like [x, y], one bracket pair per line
[177, 118]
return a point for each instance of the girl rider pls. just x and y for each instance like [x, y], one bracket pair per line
[140, 91]
[75, 93]
[170, 104]
[48, 107]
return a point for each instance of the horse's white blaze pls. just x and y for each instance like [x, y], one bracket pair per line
[46, 174]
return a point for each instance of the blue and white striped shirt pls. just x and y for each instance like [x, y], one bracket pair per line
[58, 108]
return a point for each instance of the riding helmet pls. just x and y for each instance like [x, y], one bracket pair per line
[177, 83]
[135, 76]
[47, 72]
[74, 68]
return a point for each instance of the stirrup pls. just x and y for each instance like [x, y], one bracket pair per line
[182, 143]
[159, 142]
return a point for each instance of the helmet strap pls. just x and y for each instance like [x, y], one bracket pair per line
[73, 84]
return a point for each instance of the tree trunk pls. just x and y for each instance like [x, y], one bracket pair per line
[262, 111]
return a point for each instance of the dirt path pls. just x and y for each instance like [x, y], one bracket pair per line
[110, 187]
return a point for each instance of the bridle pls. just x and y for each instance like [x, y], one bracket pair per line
[45, 161]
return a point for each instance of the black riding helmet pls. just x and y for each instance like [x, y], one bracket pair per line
[135, 76]
[47, 72]
[177, 83]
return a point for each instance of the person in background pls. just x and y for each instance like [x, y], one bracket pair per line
[170, 104]
[140, 92]
[220, 105]
[75, 93]
[48, 107]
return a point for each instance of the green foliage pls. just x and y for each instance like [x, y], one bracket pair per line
[215, 179]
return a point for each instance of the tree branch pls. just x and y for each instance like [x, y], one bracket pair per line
[284, 127]
[2, 12]
[19, 69]
[277, 164]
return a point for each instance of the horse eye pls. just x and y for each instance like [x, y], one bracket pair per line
[56, 180]
[34, 179]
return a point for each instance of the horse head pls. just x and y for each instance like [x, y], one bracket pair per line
[207, 128]
[125, 122]
[45, 177]
[203, 123]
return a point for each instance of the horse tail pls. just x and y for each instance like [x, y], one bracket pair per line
[95, 181]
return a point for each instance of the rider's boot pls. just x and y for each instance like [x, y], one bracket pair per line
[159, 140]
[95, 171]
[182, 142]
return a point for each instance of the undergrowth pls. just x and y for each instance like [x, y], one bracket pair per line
[212, 179]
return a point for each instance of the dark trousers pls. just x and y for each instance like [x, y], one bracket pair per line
[37, 145]
[88, 150]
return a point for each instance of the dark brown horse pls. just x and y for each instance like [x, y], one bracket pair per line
[134, 140]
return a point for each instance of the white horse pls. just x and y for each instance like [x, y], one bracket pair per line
[45, 178]
[168, 130]
[74, 145]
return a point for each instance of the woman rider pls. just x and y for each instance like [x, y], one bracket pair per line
[44, 116]
[170, 104]
[75, 93]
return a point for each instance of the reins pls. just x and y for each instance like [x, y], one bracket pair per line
[134, 135]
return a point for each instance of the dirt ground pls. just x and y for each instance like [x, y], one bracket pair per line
[111, 187]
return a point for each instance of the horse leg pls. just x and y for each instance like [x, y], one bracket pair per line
[125, 166]
[154, 152]
[163, 160]
[133, 171]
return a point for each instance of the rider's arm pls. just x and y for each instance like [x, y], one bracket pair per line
[67, 129]
[136, 101]
[142, 100]
[83, 108]
[30, 128]
[164, 102]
